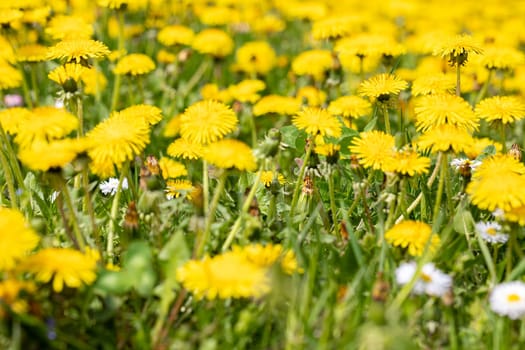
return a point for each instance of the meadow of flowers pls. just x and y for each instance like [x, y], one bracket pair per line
[240, 174]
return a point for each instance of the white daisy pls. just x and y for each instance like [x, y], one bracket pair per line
[110, 186]
[432, 281]
[508, 299]
[459, 163]
[491, 232]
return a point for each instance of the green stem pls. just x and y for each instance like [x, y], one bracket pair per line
[205, 187]
[114, 212]
[116, 92]
[299, 182]
[253, 129]
[72, 216]
[439, 193]
[201, 241]
[88, 204]
[34, 84]
[503, 133]
[448, 184]
[15, 166]
[485, 87]
[247, 202]
[9, 180]
[488, 260]
[25, 87]
[80, 115]
[387, 118]
[458, 79]
[333, 207]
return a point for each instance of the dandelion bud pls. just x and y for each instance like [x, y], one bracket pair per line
[515, 151]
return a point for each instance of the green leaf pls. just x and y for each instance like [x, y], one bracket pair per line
[174, 253]
[371, 125]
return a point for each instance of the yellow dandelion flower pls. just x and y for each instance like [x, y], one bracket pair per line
[134, 64]
[516, 214]
[116, 140]
[94, 81]
[431, 84]
[175, 35]
[478, 145]
[150, 114]
[501, 189]
[382, 86]
[506, 109]
[65, 266]
[313, 62]
[317, 121]
[78, 50]
[445, 138]
[311, 96]
[176, 188]
[256, 57]
[9, 17]
[46, 124]
[218, 15]
[172, 127]
[214, 42]
[283, 105]
[269, 254]
[31, 53]
[43, 156]
[62, 27]
[17, 239]
[212, 92]
[333, 27]
[12, 119]
[9, 77]
[171, 169]
[308, 10]
[12, 292]
[228, 153]
[409, 163]
[435, 110]
[268, 176]
[350, 107]
[247, 90]
[504, 58]
[368, 45]
[374, 149]
[268, 24]
[499, 163]
[413, 235]
[37, 15]
[207, 121]
[67, 76]
[457, 49]
[7, 54]
[185, 149]
[228, 275]
[164, 56]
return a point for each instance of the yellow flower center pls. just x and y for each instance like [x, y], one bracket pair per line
[513, 298]
[491, 231]
[426, 277]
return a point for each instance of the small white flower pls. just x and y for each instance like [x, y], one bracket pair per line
[498, 214]
[431, 281]
[110, 186]
[458, 163]
[508, 299]
[491, 232]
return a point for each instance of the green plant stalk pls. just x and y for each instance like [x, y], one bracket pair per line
[333, 207]
[205, 187]
[453, 333]
[247, 202]
[498, 338]
[25, 87]
[299, 182]
[9, 180]
[439, 194]
[202, 239]
[15, 166]
[118, 77]
[272, 208]
[458, 79]
[113, 215]
[253, 129]
[387, 119]
[72, 216]
[34, 84]
[503, 133]
[485, 87]
[488, 260]
[448, 184]
[88, 205]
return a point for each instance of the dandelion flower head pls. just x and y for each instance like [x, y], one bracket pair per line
[413, 235]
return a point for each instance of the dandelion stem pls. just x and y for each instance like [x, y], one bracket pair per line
[299, 182]
[15, 166]
[25, 87]
[205, 187]
[247, 202]
[439, 193]
[488, 260]
[34, 85]
[201, 241]
[503, 133]
[72, 216]
[484, 88]
[387, 118]
[333, 207]
[458, 79]
[8, 179]
[114, 212]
